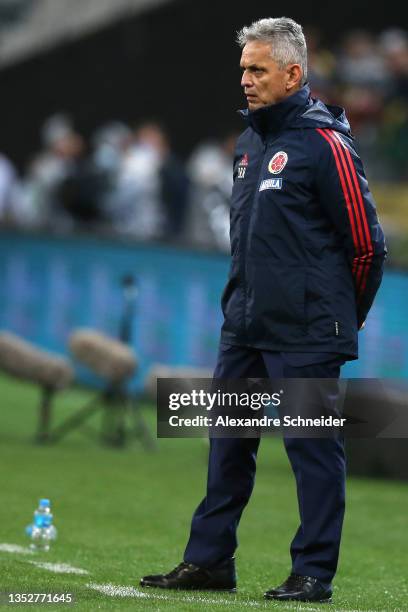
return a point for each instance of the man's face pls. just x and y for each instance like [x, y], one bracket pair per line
[262, 80]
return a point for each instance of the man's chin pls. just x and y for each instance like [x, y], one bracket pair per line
[254, 105]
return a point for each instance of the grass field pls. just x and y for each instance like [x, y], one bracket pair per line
[124, 513]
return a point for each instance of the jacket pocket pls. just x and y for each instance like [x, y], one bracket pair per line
[232, 301]
[320, 317]
[276, 300]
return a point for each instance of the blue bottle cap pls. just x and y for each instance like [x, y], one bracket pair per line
[44, 503]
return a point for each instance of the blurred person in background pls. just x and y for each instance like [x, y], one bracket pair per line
[394, 129]
[10, 193]
[174, 190]
[136, 197]
[394, 45]
[322, 65]
[150, 198]
[210, 171]
[111, 143]
[361, 62]
[364, 82]
[63, 189]
[307, 259]
[49, 167]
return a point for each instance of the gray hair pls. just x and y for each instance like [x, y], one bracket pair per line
[286, 37]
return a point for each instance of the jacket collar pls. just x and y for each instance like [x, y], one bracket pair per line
[271, 119]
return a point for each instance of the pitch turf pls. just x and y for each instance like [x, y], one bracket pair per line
[123, 513]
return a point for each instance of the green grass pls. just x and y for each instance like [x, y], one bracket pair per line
[124, 513]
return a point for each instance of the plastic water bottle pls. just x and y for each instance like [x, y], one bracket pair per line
[42, 531]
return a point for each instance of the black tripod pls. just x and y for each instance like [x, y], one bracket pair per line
[118, 403]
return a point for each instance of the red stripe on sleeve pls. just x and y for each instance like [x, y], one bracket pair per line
[344, 187]
[368, 256]
[356, 265]
[360, 259]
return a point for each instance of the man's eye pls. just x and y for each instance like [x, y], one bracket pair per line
[253, 70]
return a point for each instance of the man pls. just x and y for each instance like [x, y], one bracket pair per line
[307, 257]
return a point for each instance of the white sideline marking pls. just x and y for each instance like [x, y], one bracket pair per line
[125, 591]
[60, 568]
[116, 591]
[15, 548]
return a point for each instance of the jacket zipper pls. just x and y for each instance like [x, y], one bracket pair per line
[247, 220]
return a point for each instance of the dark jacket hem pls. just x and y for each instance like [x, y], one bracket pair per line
[337, 348]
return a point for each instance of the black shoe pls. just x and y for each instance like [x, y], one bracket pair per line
[301, 588]
[191, 577]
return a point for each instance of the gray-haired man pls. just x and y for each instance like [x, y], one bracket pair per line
[307, 256]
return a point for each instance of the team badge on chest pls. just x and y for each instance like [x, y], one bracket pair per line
[278, 162]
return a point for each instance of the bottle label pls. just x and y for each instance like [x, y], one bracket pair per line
[42, 520]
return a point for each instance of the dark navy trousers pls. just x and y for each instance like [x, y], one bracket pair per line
[318, 465]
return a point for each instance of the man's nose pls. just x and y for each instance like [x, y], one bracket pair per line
[246, 80]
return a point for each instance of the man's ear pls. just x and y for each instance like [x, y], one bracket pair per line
[294, 76]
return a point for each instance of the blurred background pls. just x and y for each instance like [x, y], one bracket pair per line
[118, 123]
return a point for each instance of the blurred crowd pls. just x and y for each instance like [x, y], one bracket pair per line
[129, 181]
[368, 76]
[125, 181]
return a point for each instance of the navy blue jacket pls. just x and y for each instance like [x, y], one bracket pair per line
[306, 244]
